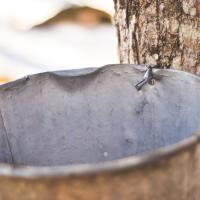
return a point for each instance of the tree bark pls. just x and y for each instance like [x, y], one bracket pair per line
[161, 32]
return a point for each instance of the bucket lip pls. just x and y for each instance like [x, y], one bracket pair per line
[90, 70]
[113, 166]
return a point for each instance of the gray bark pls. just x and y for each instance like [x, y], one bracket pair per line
[162, 32]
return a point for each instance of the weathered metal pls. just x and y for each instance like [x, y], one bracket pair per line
[89, 135]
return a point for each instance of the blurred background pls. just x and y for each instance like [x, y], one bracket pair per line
[49, 35]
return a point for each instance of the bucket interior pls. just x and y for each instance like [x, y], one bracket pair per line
[54, 119]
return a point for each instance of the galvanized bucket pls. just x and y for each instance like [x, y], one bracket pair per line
[91, 135]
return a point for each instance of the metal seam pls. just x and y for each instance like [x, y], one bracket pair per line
[7, 139]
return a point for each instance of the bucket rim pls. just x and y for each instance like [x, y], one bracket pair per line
[113, 166]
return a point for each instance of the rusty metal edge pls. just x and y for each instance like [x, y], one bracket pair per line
[114, 166]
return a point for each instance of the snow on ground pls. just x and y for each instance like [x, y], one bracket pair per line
[58, 47]
[55, 48]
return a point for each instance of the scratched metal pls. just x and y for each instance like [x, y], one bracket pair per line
[89, 134]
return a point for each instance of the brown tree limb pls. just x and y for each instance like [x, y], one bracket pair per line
[161, 32]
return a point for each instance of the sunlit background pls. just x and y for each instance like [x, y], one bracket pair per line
[48, 35]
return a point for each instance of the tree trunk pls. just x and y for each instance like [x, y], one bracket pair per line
[162, 32]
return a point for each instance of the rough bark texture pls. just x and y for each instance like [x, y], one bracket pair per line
[162, 32]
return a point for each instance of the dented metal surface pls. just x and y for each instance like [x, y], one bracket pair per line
[92, 129]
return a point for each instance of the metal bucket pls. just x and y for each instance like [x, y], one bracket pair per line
[90, 135]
